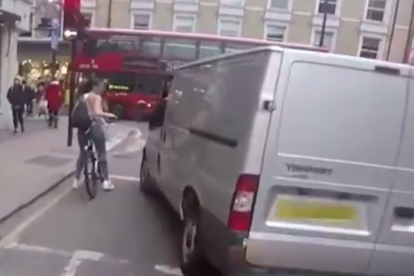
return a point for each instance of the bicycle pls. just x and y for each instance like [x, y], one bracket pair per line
[91, 170]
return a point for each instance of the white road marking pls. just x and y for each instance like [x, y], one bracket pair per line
[70, 269]
[124, 177]
[134, 145]
[37, 249]
[13, 236]
[78, 257]
[169, 270]
[79, 254]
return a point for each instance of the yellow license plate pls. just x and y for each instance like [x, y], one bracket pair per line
[296, 209]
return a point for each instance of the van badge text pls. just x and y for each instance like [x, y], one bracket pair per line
[295, 168]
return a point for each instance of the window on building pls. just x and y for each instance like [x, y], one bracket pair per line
[328, 39]
[237, 3]
[184, 23]
[229, 27]
[141, 21]
[275, 33]
[370, 47]
[88, 18]
[376, 10]
[279, 4]
[31, 26]
[327, 6]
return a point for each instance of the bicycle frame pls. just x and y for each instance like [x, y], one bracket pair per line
[92, 172]
[91, 155]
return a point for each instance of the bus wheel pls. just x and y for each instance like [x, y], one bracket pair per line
[117, 110]
[140, 114]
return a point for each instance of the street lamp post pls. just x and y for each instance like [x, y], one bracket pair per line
[325, 18]
[72, 88]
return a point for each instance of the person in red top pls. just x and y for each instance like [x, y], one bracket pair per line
[53, 96]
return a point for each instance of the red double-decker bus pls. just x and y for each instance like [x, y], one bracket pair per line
[137, 63]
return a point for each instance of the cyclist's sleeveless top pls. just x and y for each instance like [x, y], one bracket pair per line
[97, 120]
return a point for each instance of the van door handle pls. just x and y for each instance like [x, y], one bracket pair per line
[404, 212]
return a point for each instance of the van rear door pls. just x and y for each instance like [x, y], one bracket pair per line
[394, 251]
[328, 165]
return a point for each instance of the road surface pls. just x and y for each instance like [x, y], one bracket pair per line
[120, 233]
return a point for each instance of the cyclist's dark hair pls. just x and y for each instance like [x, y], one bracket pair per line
[96, 82]
[85, 87]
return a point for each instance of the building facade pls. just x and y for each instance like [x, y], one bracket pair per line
[14, 18]
[368, 28]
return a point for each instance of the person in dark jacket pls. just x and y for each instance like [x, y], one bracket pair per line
[30, 95]
[17, 99]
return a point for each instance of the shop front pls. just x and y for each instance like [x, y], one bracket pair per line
[34, 70]
[35, 60]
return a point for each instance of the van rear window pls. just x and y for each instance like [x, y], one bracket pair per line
[342, 113]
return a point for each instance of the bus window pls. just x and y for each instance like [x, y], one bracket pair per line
[151, 46]
[234, 47]
[119, 81]
[116, 46]
[209, 48]
[179, 48]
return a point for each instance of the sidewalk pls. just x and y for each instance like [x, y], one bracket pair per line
[31, 164]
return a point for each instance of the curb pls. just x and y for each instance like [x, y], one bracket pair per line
[56, 184]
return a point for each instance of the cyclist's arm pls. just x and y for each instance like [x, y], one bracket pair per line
[97, 108]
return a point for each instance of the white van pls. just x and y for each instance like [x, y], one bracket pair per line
[283, 161]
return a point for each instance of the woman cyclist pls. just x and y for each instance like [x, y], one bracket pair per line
[91, 93]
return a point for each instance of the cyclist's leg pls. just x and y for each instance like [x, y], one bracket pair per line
[98, 137]
[82, 158]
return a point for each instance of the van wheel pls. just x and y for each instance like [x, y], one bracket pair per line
[193, 260]
[146, 185]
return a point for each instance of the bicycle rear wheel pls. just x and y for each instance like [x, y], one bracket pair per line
[91, 178]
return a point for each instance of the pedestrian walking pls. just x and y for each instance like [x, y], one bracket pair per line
[30, 96]
[53, 96]
[17, 100]
[40, 100]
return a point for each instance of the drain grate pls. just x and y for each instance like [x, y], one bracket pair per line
[49, 160]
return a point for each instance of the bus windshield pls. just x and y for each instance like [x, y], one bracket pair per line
[133, 82]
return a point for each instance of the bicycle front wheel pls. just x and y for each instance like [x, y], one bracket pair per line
[91, 178]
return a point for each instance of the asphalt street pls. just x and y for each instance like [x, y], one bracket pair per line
[120, 233]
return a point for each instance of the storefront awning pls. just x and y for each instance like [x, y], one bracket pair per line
[9, 16]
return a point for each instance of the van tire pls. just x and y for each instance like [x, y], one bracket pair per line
[192, 260]
[146, 185]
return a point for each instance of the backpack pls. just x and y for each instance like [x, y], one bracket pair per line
[80, 114]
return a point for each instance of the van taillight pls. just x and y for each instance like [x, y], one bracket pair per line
[241, 211]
